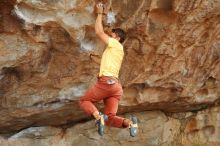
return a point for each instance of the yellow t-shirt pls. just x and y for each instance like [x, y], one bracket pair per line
[112, 59]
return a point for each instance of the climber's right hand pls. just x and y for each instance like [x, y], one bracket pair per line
[99, 8]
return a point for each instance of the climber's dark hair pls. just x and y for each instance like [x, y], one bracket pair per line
[120, 33]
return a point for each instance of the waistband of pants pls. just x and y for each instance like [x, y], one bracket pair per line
[108, 78]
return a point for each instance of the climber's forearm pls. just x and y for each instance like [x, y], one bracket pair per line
[98, 24]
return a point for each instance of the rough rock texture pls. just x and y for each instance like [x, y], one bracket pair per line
[49, 54]
[156, 129]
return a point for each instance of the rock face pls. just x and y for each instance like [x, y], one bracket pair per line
[155, 128]
[49, 56]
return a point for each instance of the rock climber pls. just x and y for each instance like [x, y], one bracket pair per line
[108, 87]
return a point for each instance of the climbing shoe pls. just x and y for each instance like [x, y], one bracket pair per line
[101, 123]
[133, 128]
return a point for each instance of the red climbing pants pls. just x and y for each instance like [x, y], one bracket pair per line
[110, 91]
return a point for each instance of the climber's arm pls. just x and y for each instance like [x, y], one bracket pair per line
[98, 25]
